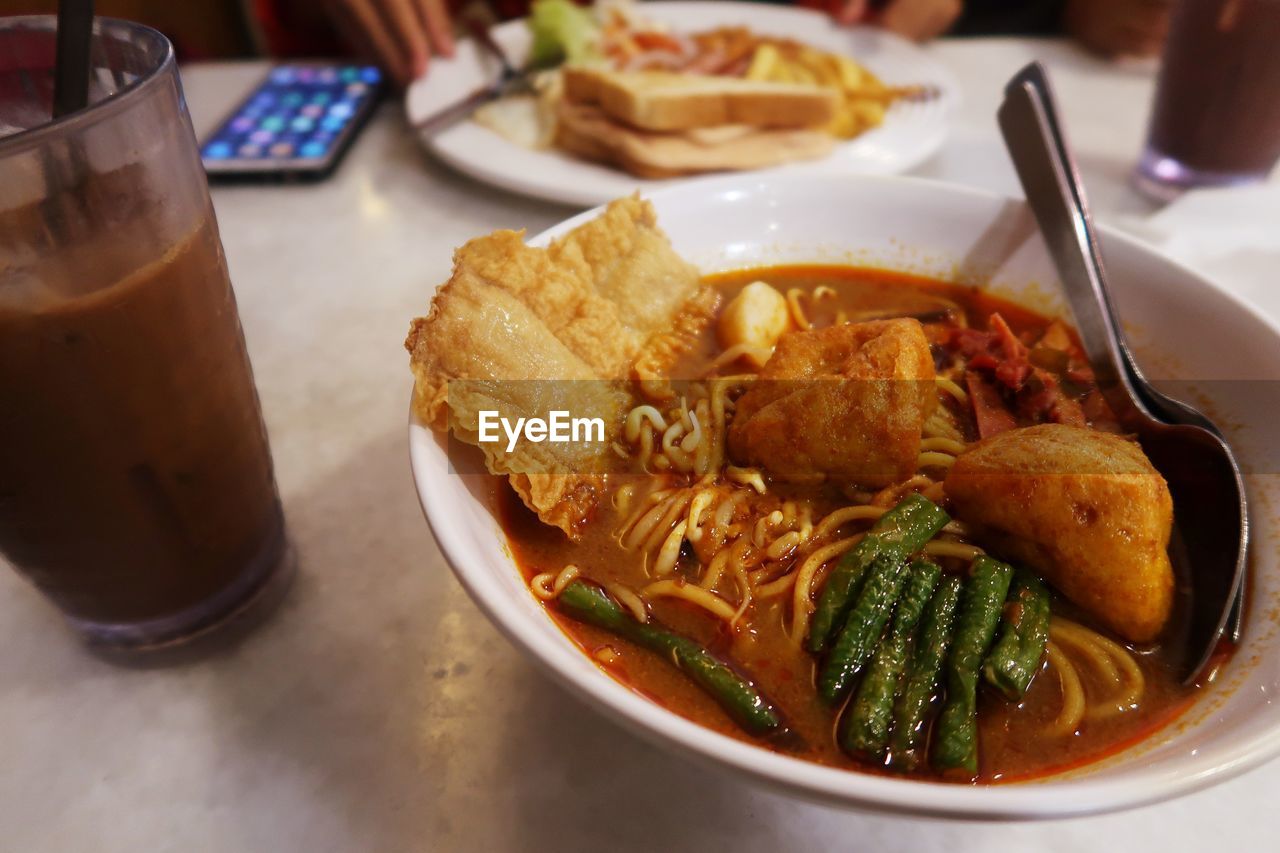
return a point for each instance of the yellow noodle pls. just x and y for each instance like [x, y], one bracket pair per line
[1092, 652]
[669, 553]
[659, 533]
[638, 531]
[708, 601]
[622, 497]
[806, 523]
[701, 503]
[719, 423]
[744, 553]
[712, 577]
[776, 586]
[944, 445]
[843, 516]
[628, 599]
[567, 576]
[746, 477]
[1073, 704]
[744, 590]
[549, 585]
[681, 461]
[659, 494]
[1068, 629]
[801, 604]
[607, 655]
[949, 385]
[694, 438]
[679, 458]
[540, 585]
[1124, 672]
[646, 446]
[940, 426]
[890, 495]
[959, 550]
[823, 291]
[702, 455]
[1137, 682]
[636, 416]
[783, 545]
[757, 355]
[934, 459]
[773, 519]
[643, 506]
[724, 512]
[797, 312]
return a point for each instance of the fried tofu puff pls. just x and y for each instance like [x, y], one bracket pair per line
[1084, 508]
[845, 402]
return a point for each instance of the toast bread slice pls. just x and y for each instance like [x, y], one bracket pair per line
[587, 132]
[665, 101]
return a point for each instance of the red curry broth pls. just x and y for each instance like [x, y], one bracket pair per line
[1014, 739]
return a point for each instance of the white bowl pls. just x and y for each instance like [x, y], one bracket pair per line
[1183, 327]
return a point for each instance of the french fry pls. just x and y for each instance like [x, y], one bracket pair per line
[865, 99]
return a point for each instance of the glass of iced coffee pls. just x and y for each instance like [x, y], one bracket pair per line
[136, 486]
[1216, 119]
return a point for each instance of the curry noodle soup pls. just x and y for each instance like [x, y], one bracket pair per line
[881, 522]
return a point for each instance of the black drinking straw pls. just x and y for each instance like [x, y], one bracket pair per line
[71, 71]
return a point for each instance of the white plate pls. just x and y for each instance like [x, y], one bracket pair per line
[910, 133]
[1187, 329]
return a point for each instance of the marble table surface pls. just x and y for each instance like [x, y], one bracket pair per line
[378, 710]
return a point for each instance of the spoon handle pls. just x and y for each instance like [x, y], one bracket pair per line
[1048, 175]
[1028, 121]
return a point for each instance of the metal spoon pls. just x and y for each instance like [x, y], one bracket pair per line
[1211, 520]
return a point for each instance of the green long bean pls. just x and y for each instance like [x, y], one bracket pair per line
[864, 730]
[896, 535]
[748, 707]
[956, 736]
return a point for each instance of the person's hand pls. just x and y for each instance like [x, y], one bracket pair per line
[401, 35]
[1118, 27]
[916, 19]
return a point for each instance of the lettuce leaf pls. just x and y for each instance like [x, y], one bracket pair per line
[562, 32]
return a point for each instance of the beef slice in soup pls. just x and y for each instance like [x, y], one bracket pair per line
[1084, 508]
[845, 403]
[606, 302]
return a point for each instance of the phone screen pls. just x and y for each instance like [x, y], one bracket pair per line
[299, 121]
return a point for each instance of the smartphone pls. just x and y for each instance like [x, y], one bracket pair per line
[295, 125]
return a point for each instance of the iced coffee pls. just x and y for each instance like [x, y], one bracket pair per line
[1216, 119]
[136, 485]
